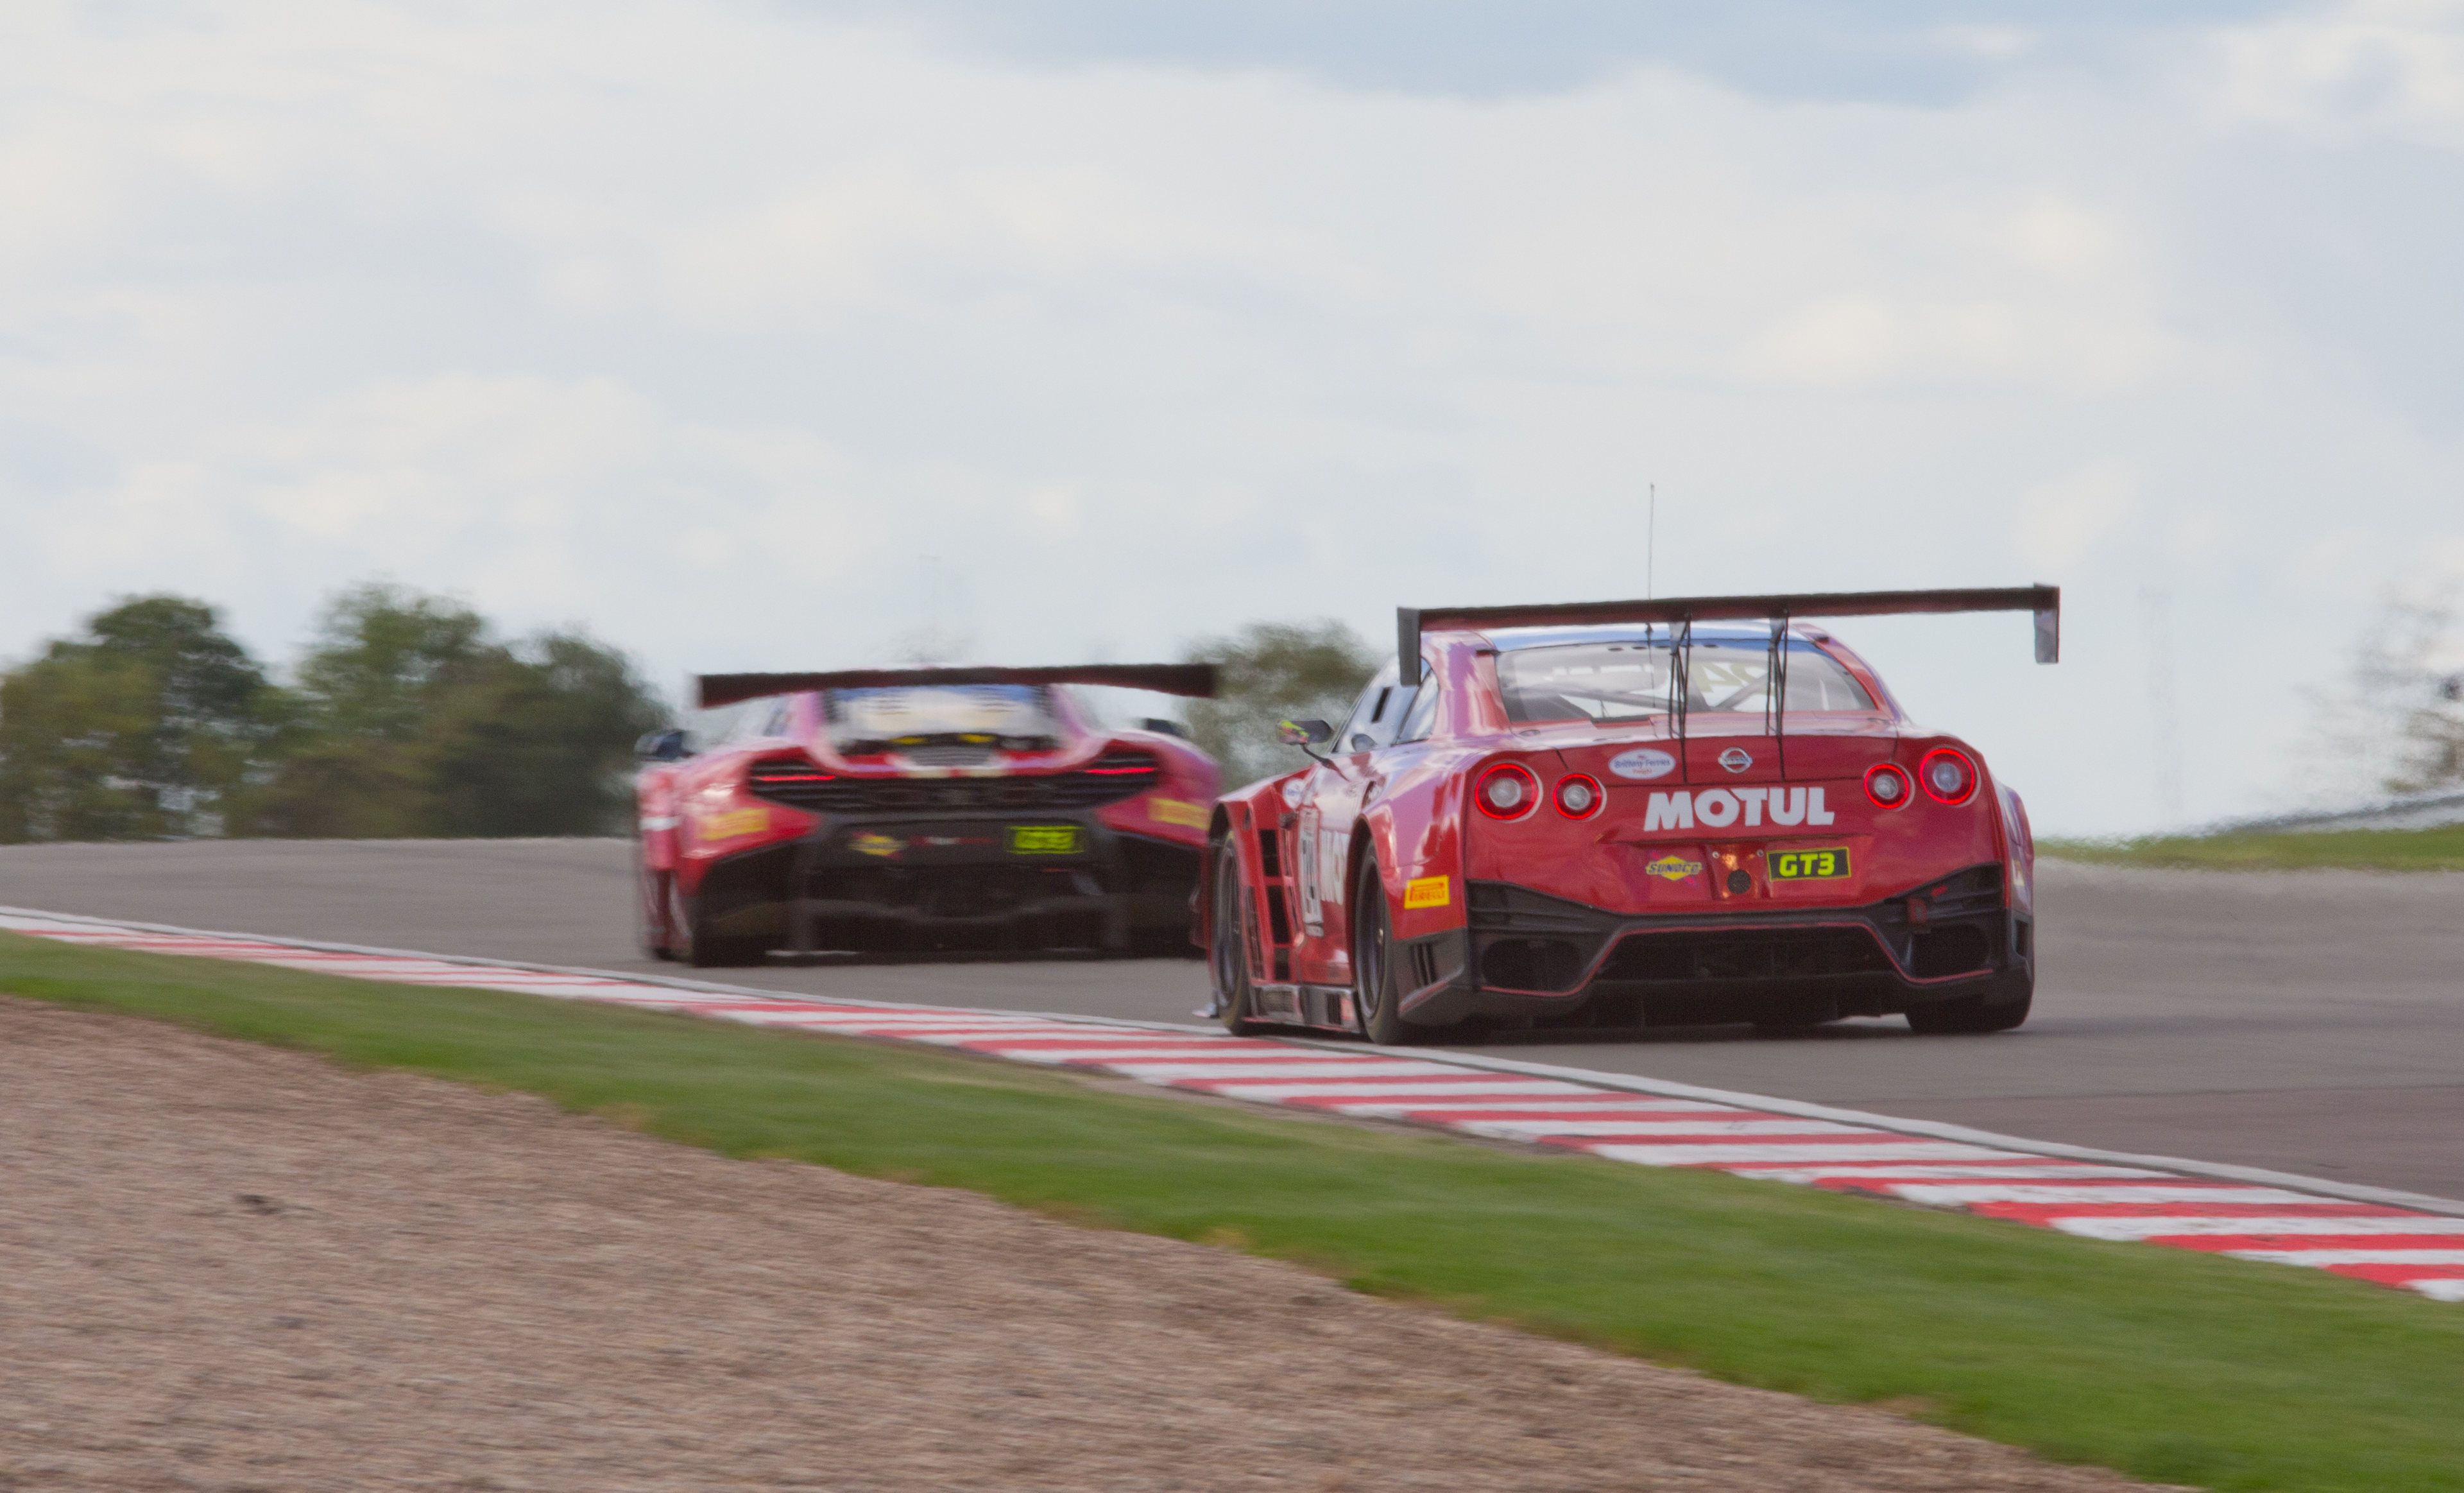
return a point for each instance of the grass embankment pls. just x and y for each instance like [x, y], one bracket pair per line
[2171, 1365]
[2440, 849]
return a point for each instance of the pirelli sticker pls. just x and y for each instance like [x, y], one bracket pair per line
[1176, 811]
[1428, 891]
[1806, 865]
[728, 824]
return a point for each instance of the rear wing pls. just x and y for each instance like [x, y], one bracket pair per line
[1196, 680]
[2045, 601]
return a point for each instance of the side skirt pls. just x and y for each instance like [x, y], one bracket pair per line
[1326, 1006]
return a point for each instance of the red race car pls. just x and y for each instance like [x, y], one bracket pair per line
[894, 810]
[1622, 815]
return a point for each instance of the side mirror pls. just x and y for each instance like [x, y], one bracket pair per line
[668, 745]
[1304, 733]
[1164, 728]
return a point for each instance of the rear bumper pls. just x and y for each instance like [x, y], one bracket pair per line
[953, 884]
[1529, 958]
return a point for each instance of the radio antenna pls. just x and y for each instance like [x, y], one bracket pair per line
[1651, 542]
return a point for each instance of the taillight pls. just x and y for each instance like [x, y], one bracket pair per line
[1886, 786]
[1948, 776]
[1507, 790]
[1579, 797]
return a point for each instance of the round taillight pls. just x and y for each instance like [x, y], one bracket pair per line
[1887, 785]
[1507, 791]
[1579, 797]
[1948, 775]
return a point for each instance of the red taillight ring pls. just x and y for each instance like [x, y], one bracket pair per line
[1968, 776]
[1899, 791]
[1582, 788]
[1522, 797]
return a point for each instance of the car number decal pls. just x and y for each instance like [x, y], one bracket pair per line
[1043, 839]
[1808, 866]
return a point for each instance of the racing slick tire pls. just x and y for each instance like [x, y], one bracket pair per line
[1374, 994]
[693, 943]
[656, 911]
[1227, 949]
[1977, 1013]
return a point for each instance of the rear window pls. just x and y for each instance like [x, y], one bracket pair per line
[1626, 682]
[1012, 717]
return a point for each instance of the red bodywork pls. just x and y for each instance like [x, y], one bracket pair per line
[775, 838]
[1664, 900]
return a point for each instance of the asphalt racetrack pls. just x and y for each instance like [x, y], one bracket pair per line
[2307, 1022]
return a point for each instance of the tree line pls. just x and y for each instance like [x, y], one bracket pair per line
[406, 716]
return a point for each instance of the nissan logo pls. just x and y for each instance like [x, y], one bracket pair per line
[1736, 759]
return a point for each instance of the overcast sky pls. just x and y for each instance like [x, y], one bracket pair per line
[761, 335]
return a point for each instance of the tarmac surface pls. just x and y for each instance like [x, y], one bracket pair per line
[2310, 1022]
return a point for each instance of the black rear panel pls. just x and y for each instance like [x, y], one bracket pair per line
[800, 784]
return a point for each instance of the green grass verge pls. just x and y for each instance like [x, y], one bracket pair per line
[2168, 1365]
[2440, 849]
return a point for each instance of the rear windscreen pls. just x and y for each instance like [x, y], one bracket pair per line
[1626, 682]
[1012, 717]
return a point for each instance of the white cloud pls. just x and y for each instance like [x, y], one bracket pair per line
[705, 323]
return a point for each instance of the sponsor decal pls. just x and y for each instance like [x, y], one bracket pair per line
[1643, 764]
[868, 843]
[1736, 759]
[952, 842]
[658, 821]
[1292, 792]
[730, 823]
[1673, 867]
[1176, 811]
[1043, 839]
[1806, 865]
[1427, 891]
[1722, 807]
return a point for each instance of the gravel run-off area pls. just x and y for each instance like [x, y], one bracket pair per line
[228, 1267]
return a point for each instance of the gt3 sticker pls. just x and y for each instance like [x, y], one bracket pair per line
[1427, 891]
[1043, 839]
[1673, 867]
[1808, 866]
[1721, 807]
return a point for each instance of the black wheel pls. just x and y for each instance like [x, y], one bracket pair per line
[653, 907]
[1973, 1014]
[1375, 994]
[1227, 949]
[693, 942]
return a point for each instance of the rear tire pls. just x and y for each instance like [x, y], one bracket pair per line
[657, 889]
[1375, 994]
[696, 945]
[1228, 948]
[1973, 1015]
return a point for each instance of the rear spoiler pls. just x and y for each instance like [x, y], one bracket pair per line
[2045, 601]
[1193, 680]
